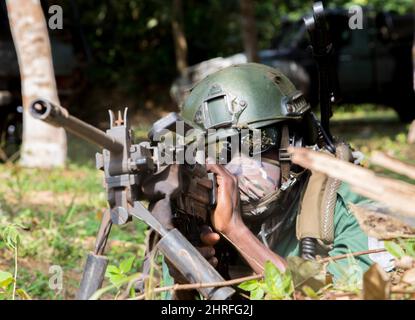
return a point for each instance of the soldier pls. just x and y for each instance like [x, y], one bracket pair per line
[271, 209]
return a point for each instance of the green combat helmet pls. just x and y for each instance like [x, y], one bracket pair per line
[243, 96]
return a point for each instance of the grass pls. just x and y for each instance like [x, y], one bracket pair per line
[61, 209]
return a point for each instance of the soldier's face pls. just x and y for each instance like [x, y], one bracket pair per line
[256, 178]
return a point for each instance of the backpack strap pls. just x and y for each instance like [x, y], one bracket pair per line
[316, 213]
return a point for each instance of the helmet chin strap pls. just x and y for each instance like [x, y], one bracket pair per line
[284, 156]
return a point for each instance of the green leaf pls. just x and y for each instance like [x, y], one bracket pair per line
[257, 294]
[309, 292]
[4, 275]
[249, 285]
[306, 272]
[287, 283]
[11, 235]
[394, 249]
[272, 275]
[409, 246]
[23, 294]
[112, 270]
[271, 271]
[351, 275]
[5, 278]
[117, 279]
[125, 265]
[132, 292]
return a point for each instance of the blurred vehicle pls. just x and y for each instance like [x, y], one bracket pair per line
[69, 55]
[374, 64]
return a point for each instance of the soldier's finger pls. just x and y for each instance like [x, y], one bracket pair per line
[217, 169]
[224, 178]
[213, 261]
[209, 237]
[207, 252]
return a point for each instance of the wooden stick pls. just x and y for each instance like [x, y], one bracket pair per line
[334, 295]
[393, 164]
[354, 254]
[192, 286]
[403, 291]
[398, 195]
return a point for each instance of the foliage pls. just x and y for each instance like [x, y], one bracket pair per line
[131, 41]
[307, 274]
[351, 275]
[11, 235]
[117, 275]
[400, 6]
[8, 289]
[6, 284]
[401, 247]
[305, 277]
[60, 210]
[276, 285]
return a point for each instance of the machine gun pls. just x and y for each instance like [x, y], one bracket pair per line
[322, 50]
[133, 173]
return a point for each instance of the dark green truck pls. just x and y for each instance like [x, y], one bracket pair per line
[374, 64]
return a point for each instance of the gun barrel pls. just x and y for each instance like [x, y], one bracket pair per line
[59, 117]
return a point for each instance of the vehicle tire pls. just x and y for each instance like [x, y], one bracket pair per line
[406, 109]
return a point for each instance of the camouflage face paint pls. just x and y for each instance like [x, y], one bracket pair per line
[256, 178]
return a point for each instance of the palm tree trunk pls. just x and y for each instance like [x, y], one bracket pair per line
[44, 146]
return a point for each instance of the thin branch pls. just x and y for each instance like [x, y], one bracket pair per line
[15, 270]
[393, 164]
[400, 291]
[354, 254]
[334, 295]
[192, 286]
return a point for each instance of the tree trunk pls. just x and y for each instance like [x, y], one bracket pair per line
[44, 146]
[249, 32]
[413, 62]
[411, 133]
[180, 42]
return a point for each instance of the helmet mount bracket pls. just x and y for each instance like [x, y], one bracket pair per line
[217, 98]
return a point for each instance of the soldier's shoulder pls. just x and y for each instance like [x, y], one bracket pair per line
[346, 195]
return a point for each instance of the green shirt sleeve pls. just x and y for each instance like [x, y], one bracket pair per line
[348, 236]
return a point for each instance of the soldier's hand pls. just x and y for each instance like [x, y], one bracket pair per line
[209, 238]
[226, 214]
